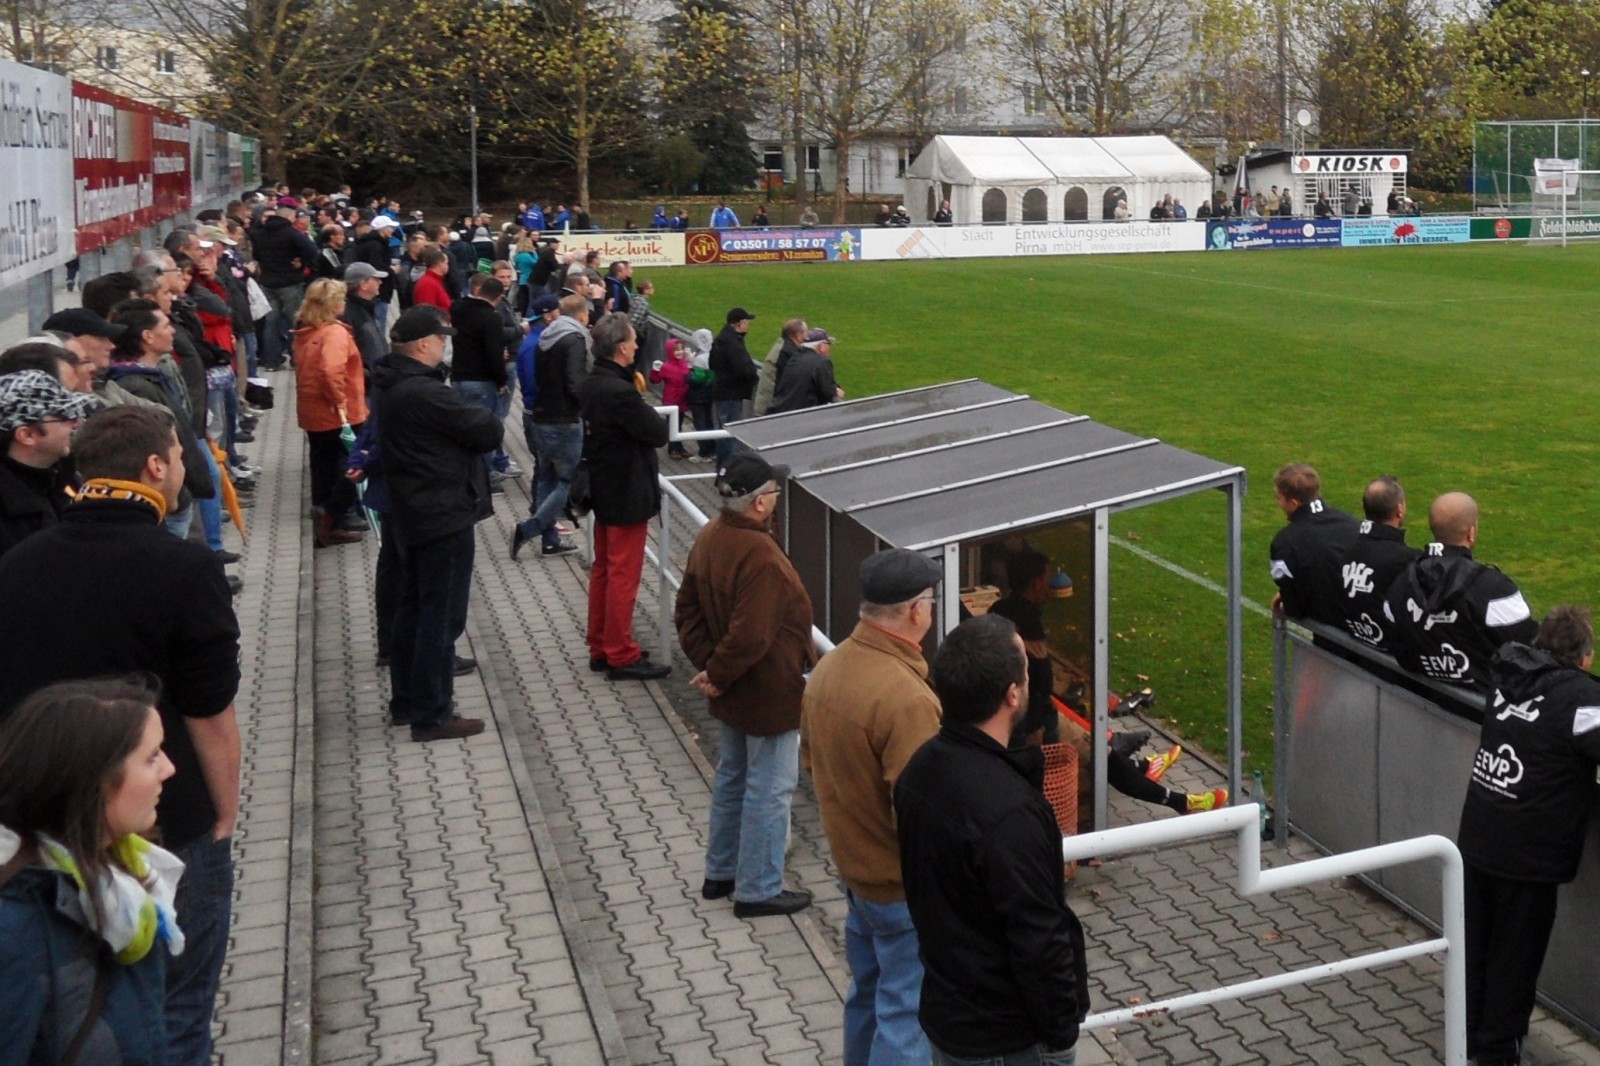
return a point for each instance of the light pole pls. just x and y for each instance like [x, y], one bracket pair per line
[1582, 127]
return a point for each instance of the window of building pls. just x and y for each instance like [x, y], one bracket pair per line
[961, 99]
[813, 157]
[772, 157]
[902, 160]
[1030, 98]
[105, 58]
[1077, 97]
[166, 62]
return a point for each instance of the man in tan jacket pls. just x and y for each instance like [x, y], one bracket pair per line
[867, 709]
[744, 620]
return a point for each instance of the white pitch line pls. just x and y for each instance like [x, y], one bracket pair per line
[1203, 582]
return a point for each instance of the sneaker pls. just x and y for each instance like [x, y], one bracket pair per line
[496, 477]
[1160, 764]
[512, 469]
[560, 547]
[700, 458]
[789, 901]
[1128, 743]
[1207, 801]
[716, 889]
[244, 436]
[639, 670]
[449, 729]
[518, 539]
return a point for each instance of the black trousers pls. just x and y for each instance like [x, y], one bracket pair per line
[330, 489]
[386, 585]
[1508, 929]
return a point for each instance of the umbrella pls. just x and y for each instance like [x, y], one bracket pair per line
[230, 495]
[348, 436]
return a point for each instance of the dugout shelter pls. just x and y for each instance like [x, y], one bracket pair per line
[1051, 179]
[965, 472]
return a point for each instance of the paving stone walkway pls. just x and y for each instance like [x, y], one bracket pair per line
[531, 895]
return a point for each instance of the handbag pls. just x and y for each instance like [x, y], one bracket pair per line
[579, 500]
[260, 306]
[257, 393]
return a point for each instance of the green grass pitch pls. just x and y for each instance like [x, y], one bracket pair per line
[1466, 367]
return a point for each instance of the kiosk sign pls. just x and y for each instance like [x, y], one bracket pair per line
[1340, 163]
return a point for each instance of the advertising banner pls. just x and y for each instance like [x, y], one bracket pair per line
[1254, 233]
[1045, 238]
[820, 244]
[210, 171]
[249, 167]
[1545, 226]
[1370, 232]
[130, 165]
[36, 216]
[1349, 163]
[640, 249]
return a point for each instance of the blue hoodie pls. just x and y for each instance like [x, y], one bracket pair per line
[533, 218]
[660, 220]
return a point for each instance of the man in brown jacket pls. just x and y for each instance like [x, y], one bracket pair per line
[744, 620]
[867, 709]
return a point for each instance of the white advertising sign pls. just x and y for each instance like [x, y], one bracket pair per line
[1350, 163]
[36, 204]
[640, 249]
[1044, 238]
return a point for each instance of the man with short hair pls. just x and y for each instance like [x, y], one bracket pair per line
[744, 621]
[372, 248]
[433, 444]
[331, 253]
[560, 366]
[867, 708]
[806, 379]
[411, 267]
[1378, 556]
[38, 415]
[161, 606]
[621, 433]
[285, 256]
[478, 365]
[1528, 807]
[619, 291]
[1450, 612]
[1306, 554]
[430, 289]
[723, 217]
[786, 347]
[1003, 954]
[734, 375]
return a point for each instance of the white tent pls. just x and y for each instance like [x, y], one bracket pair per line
[1051, 179]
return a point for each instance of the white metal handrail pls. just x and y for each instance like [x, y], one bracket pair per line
[1244, 822]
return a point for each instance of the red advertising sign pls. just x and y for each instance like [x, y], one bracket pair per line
[130, 165]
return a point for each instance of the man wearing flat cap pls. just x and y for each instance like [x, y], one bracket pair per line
[867, 709]
[433, 445]
[744, 621]
[38, 416]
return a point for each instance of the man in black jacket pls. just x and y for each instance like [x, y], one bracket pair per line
[160, 606]
[478, 367]
[1306, 554]
[37, 418]
[1378, 556]
[1523, 824]
[1003, 955]
[433, 445]
[805, 379]
[1450, 612]
[560, 367]
[284, 255]
[621, 433]
[362, 284]
[372, 248]
[734, 376]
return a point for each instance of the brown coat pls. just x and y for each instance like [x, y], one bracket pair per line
[745, 619]
[868, 708]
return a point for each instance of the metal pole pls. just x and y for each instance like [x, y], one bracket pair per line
[1099, 691]
[472, 112]
[1282, 733]
[1235, 640]
[664, 597]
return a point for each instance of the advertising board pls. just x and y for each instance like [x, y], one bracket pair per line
[36, 211]
[640, 249]
[815, 245]
[1047, 238]
[1349, 163]
[1544, 226]
[1256, 233]
[1371, 232]
[130, 165]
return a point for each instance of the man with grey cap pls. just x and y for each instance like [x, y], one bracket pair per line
[806, 379]
[362, 311]
[867, 709]
[744, 621]
[38, 416]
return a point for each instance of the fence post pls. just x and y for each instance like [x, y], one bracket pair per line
[664, 596]
[1281, 727]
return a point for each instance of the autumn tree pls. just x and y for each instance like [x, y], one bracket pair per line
[710, 87]
[1233, 91]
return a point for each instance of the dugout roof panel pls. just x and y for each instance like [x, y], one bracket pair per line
[954, 462]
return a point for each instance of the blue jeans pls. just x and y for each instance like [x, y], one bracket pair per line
[750, 811]
[276, 337]
[179, 521]
[204, 905]
[559, 447]
[727, 411]
[211, 510]
[434, 583]
[880, 1013]
[1037, 1055]
[483, 394]
[381, 313]
[250, 349]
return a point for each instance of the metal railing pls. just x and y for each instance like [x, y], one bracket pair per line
[1244, 822]
[668, 583]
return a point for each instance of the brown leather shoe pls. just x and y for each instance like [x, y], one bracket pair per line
[449, 729]
[325, 535]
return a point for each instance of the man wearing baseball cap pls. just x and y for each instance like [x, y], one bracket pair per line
[362, 310]
[433, 445]
[744, 620]
[88, 336]
[734, 376]
[868, 708]
[806, 380]
[372, 248]
[38, 416]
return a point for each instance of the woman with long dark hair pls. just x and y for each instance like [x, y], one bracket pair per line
[86, 916]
